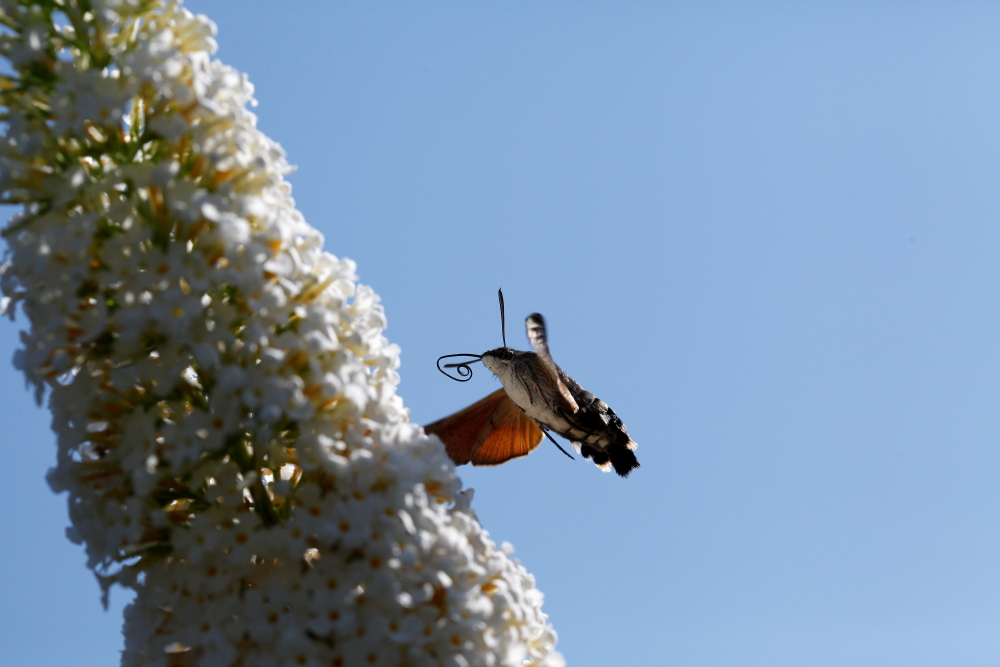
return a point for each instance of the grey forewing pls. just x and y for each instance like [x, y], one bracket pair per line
[595, 423]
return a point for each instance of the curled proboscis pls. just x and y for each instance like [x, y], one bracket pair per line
[462, 368]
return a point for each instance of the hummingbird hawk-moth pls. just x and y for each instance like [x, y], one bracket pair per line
[537, 397]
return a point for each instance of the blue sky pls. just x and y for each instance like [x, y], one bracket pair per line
[766, 236]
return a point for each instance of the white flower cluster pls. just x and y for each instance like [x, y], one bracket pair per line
[224, 399]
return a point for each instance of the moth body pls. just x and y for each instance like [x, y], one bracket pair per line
[537, 396]
[594, 428]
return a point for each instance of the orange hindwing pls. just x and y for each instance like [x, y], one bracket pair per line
[488, 432]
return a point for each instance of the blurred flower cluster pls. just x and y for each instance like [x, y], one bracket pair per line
[224, 400]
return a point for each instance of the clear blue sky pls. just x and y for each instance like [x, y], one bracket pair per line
[767, 237]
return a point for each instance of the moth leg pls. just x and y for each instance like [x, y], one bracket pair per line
[557, 444]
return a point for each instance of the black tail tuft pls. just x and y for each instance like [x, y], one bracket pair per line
[623, 459]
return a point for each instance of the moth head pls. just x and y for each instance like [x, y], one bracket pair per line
[498, 360]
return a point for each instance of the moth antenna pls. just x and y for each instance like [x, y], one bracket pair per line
[557, 444]
[503, 325]
[464, 372]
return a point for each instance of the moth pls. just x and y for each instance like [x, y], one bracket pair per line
[537, 397]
